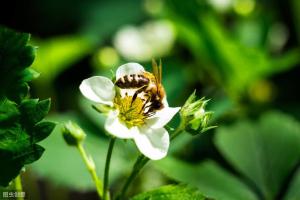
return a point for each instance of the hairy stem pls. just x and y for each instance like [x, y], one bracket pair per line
[106, 170]
[91, 168]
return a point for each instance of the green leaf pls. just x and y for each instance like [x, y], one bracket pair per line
[15, 56]
[12, 162]
[293, 192]
[31, 154]
[15, 151]
[212, 180]
[295, 6]
[33, 110]
[171, 192]
[17, 147]
[9, 167]
[18, 91]
[19, 129]
[8, 111]
[42, 130]
[13, 139]
[29, 74]
[264, 151]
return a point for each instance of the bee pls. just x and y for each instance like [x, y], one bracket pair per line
[149, 83]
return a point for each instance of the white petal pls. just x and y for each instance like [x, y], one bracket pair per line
[129, 68]
[153, 143]
[98, 89]
[162, 117]
[118, 129]
[165, 102]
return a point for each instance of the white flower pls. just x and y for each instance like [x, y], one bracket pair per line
[131, 118]
[152, 39]
[221, 5]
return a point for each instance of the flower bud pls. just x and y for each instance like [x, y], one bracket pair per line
[194, 116]
[73, 134]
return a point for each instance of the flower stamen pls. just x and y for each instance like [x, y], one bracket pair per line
[131, 110]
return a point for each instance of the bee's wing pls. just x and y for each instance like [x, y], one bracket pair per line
[157, 70]
[160, 70]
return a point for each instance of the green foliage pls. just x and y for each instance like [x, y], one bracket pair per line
[212, 180]
[172, 192]
[15, 56]
[34, 110]
[8, 112]
[222, 50]
[295, 6]
[20, 118]
[18, 138]
[264, 151]
[232, 65]
[42, 130]
[293, 192]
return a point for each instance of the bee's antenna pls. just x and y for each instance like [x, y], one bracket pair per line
[153, 63]
[160, 70]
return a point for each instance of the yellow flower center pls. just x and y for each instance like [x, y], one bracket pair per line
[131, 112]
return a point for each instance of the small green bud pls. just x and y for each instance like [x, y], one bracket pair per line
[194, 116]
[73, 134]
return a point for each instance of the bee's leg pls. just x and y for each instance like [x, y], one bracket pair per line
[145, 103]
[151, 106]
[137, 92]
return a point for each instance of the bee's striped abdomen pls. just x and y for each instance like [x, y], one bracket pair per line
[132, 81]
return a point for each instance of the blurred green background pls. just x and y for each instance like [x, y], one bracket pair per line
[242, 54]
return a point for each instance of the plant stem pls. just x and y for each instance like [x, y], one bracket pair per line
[178, 130]
[91, 168]
[138, 165]
[141, 162]
[18, 187]
[106, 170]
